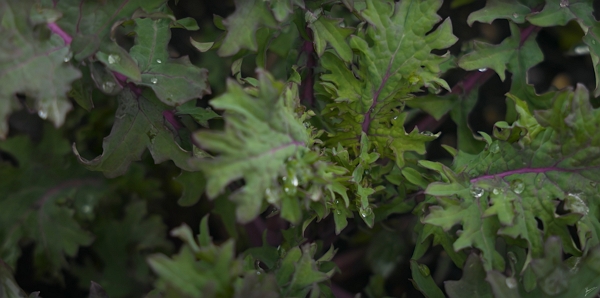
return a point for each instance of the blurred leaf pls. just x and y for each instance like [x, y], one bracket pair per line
[472, 282]
[32, 63]
[248, 16]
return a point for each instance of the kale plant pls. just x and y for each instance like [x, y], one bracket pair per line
[305, 140]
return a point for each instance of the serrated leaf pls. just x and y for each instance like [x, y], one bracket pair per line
[496, 57]
[248, 16]
[367, 98]
[328, 31]
[32, 63]
[260, 134]
[201, 115]
[90, 23]
[139, 125]
[175, 81]
[511, 185]
[560, 12]
[513, 10]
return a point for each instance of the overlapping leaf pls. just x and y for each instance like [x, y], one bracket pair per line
[174, 81]
[398, 61]
[507, 188]
[32, 63]
[261, 133]
[33, 197]
[139, 124]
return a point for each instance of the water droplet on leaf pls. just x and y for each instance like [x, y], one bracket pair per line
[482, 69]
[68, 57]
[496, 191]
[517, 186]
[108, 87]
[424, 270]
[364, 212]
[294, 181]
[337, 202]
[257, 272]
[271, 198]
[113, 59]
[495, 148]
[153, 80]
[515, 15]
[564, 3]
[158, 61]
[43, 114]
[511, 283]
[338, 212]
[86, 209]
[477, 192]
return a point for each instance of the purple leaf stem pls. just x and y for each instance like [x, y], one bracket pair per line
[528, 171]
[59, 31]
[307, 85]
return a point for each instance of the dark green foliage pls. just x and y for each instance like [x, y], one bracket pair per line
[310, 132]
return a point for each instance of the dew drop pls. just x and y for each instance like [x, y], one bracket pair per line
[364, 212]
[576, 204]
[482, 69]
[495, 148]
[337, 202]
[43, 114]
[477, 192]
[158, 61]
[257, 272]
[153, 80]
[287, 189]
[114, 59]
[511, 283]
[593, 42]
[564, 3]
[108, 87]
[496, 191]
[86, 209]
[68, 57]
[517, 186]
[424, 270]
[294, 181]
[338, 212]
[515, 15]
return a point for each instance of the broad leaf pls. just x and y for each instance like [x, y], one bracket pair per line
[175, 81]
[139, 125]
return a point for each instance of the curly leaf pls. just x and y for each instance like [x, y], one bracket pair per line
[260, 135]
[506, 188]
[399, 62]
